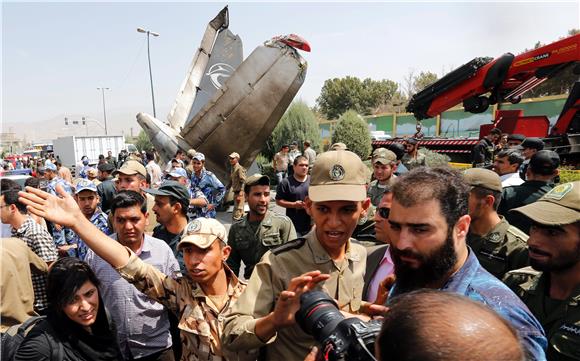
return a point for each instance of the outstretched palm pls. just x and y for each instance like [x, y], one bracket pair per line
[62, 210]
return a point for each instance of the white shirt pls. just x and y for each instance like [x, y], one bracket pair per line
[511, 179]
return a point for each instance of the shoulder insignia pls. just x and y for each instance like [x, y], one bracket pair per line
[295, 244]
[518, 233]
[528, 271]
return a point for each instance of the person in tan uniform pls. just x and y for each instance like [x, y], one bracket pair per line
[326, 259]
[237, 180]
[200, 298]
[133, 176]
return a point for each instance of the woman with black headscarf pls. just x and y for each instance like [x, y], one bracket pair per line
[76, 327]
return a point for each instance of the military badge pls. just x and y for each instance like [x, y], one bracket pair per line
[336, 172]
[193, 227]
[557, 193]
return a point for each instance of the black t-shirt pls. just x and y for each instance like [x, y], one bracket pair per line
[292, 190]
[172, 240]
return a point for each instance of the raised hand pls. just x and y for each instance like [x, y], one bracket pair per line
[62, 210]
[289, 301]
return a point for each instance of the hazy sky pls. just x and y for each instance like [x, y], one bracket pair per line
[54, 55]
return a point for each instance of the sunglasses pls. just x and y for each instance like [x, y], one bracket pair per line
[384, 212]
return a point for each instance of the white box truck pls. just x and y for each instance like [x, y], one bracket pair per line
[72, 148]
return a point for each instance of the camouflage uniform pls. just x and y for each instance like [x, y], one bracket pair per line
[238, 178]
[200, 323]
[560, 319]
[503, 249]
[250, 242]
[375, 192]
[273, 275]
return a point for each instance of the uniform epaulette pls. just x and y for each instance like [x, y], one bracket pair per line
[295, 244]
[528, 271]
[517, 232]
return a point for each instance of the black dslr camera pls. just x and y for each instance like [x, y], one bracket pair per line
[342, 339]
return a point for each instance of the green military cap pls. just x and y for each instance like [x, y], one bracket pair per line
[171, 189]
[484, 178]
[383, 156]
[338, 176]
[257, 179]
[560, 206]
[131, 167]
[202, 232]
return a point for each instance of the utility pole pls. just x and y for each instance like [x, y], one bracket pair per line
[141, 30]
[102, 89]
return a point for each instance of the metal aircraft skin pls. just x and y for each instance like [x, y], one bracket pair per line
[228, 105]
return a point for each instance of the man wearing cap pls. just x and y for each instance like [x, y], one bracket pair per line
[258, 231]
[551, 287]
[540, 174]
[514, 140]
[204, 180]
[483, 152]
[153, 169]
[326, 259]
[198, 202]
[189, 157]
[133, 176]
[338, 146]
[171, 205]
[291, 194]
[499, 246]
[92, 175]
[237, 180]
[399, 150]
[280, 163]
[529, 147]
[384, 165]
[106, 189]
[200, 299]
[413, 158]
[142, 324]
[87, 198]
[506, 164]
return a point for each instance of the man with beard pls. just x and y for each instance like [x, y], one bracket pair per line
[552, 288]
[259, 230]
[429, 224]
[499, 246]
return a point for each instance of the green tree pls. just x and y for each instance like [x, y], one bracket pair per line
[353, 131]
[142, 141]
[423, 80]
[341, 94]
[297, 124]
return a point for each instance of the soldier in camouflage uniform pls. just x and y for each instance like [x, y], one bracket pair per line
[260, 230]
[200, 299]
[499, 247]
[551, 286]
[237, 180]
[384, 166]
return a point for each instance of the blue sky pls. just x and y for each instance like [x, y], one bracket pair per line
[54, 55]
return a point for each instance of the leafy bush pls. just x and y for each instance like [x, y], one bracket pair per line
[353, 131]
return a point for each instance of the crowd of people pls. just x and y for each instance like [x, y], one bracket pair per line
[134, 265]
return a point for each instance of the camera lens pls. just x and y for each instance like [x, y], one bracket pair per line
[318, 315]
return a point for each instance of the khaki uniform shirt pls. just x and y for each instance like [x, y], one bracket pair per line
[560, 319]
[503, 249]
[272, 275]
[250, 241]
[375, 192]
[200, 323]
[238, 177]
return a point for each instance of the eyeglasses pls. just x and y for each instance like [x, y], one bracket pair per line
[384, 212]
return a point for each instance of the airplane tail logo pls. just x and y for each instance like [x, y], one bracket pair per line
[218, 73]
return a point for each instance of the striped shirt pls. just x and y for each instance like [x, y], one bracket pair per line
[142, 324]
[41, 243]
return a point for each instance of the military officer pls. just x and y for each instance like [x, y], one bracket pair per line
[237, 180]
[384, 165]
[260, 230]
[551, 286]
[499, 247]
[325, 259]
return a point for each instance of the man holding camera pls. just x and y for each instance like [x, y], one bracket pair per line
[326, 259]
